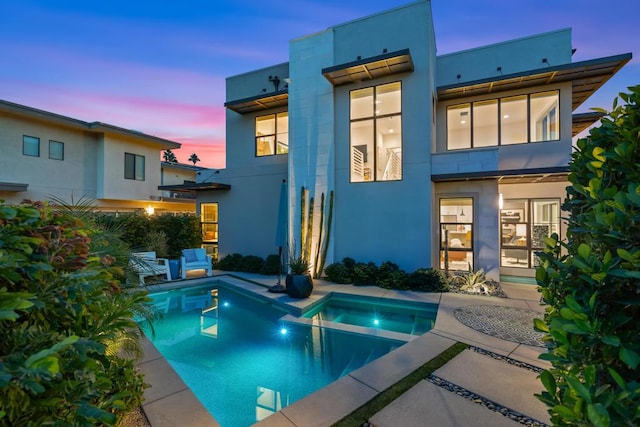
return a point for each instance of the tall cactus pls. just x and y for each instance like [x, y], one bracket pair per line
[325, 238]
[321, 225]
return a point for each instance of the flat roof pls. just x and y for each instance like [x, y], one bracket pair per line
[193, 186]
[552, 174]
[35, 113]
[263, 101]
[586, 77]
[13, 187]
[583, 120]
[386, 64]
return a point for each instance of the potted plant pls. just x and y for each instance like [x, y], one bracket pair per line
[298, 281]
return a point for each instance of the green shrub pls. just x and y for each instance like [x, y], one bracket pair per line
[427, 280]
[338, 273]
[64, 321]
[390, 276]
[365, 274]
[271, 266]
[251, 264]
[231, 262]
[593, 287]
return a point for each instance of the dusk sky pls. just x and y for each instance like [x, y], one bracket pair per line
[159, 67]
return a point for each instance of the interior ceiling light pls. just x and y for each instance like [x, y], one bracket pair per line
[506, 116]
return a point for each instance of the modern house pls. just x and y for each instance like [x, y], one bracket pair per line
[459, 158]
[47, 155]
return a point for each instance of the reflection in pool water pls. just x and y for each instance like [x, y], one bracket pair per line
[243, 363]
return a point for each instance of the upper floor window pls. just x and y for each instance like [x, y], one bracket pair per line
[510, 120]
[376, 133]
[30, 146]
[272, 134]
[56, 150]
[133, 167]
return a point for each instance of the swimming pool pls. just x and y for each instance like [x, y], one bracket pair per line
[405, 317]
[242, 362]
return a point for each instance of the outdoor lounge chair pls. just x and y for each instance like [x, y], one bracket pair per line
[195, 259]
[146, 264]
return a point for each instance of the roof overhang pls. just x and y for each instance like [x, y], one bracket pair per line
[554, 174]
[370, 68]
[586, 77]
[259, 102]
[13, 187]
[195, 186]
[583, 120]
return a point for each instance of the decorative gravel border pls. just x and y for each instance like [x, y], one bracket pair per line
[507, 359]
[487, 403]
[508, 323]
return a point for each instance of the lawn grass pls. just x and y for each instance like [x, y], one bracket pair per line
[366, 411]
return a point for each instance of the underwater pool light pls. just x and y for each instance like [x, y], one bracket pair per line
[283, 331]
[376, 322]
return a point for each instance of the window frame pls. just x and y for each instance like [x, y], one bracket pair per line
[134, 174]
[275, 143]
[529, 138]
[466, 227]
[210, 244]
[61, 144]
[374, 118]
[529, 242]
[26, 139]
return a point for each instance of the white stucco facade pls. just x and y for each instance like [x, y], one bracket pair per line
[72, 160]
[407, 216]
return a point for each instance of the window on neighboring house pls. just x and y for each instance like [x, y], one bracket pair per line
[524, 224]
[209, 224]
[30, 146]
[456, 233]
[272, 134]
[56, 150]
[133, 167]
[376, 133]
[505, 121]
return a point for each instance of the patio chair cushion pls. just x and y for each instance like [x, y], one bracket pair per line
[190, 255]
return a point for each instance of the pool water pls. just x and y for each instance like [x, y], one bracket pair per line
[406, 317]
[241, 362]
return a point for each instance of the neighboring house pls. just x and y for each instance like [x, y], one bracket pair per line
[465, 153]
[47, 155]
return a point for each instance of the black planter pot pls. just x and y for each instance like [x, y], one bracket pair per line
[299, 285]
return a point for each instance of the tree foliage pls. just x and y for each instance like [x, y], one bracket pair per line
[63, 320]
[591, 282]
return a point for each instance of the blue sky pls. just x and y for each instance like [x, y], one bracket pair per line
[159, 67]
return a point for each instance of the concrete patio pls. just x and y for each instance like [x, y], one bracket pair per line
[490, 384]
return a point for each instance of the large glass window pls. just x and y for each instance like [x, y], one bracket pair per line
[524, 224]
[133, 167]
[459, 126]
[376, 133]
[456, 233]
[505, 121]
[544, 116]
[56, 150]
[272, 134]
[485, 123]
[30, 146]
[209, 224]
[513, 120]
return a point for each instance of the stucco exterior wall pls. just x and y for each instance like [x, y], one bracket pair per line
[388, 221]
[65, 179]
[483, 62]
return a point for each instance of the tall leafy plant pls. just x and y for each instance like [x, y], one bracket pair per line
[591, 281]
[63, 317]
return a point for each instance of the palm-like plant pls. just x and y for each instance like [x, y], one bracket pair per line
[194, 158]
